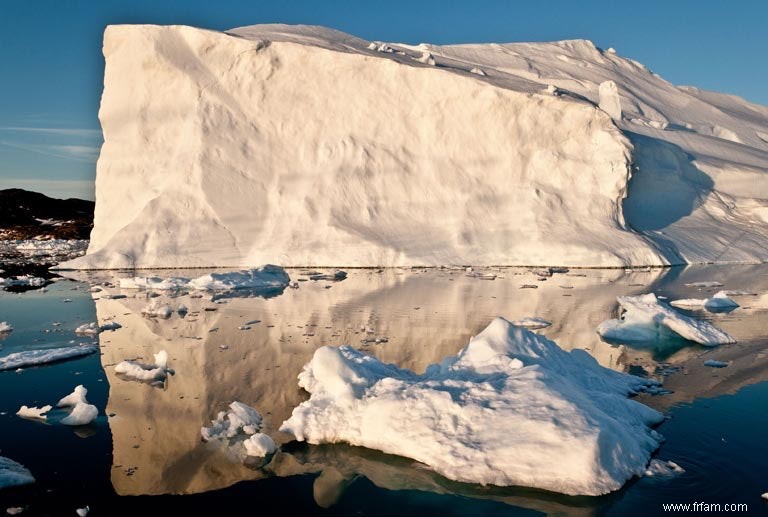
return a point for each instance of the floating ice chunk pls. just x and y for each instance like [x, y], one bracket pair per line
[765, 496]
[265, 277]
[427, 58]
[718, 301]
[385, 48]
[112, 325]
[82, 414]
[88, 329]
[82, 512]
[35, 413]
[609, 99]
[663, 468]
[76, 397]
[704, 284]
[28, 280]
[227, 424]
[646, 319]
[153, 282]
[157, 372]
[154, 310]
[5, 327]
[532, 323]
[15, 510]
[260, 445]
[715, 364]
[478, 71]
[336, 276]
[575, 430]
[38, 357]
[13, 474]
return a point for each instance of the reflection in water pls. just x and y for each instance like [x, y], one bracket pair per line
[424, 316]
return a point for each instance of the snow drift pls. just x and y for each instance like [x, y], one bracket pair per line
[512, 408]
[303, 146]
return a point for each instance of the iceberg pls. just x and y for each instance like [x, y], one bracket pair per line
[13, 474]
[28, 358]
[719, 301]
[646, 319]
[556, 153]
[512, 408]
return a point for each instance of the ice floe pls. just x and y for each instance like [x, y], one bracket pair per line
[264, 277]
[38, 357]
[82, 412]
[512, 408]
[5, 327]
[26, 281]
[13, 474]
[260, 445]
[646, 319]
[715, 364]
[532, 323]
[241, 418]
[34, 413]
[663, 468]
[719, 301]
[156, 372]
[704, 284]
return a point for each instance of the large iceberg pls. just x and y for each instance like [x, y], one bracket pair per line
[512, 408]
[305, 146]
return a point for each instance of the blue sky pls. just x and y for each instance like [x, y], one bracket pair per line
[51, 64]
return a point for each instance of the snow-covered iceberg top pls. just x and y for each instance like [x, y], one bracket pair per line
[264, 277]
[38, 357]
[13, 474]
[719, 301]
[512, 408]
[646, 319]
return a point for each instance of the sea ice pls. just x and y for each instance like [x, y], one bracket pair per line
[35, 413]
[5, 327]
[227, 424]
[157, 372]
[719, 300]
[663, 468]
[38, 357]
[82, 412]
[511, 408]
[646, 319]
[13, 474]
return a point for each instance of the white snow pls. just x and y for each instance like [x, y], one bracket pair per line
[512, 408]
[82, 412]
[38, 357]
[264, 277]
[719, 300]
[646, 319]
[240, 418]
[156, 372]
[532, 323]
[5, 327]
[13, 474]
[663, 468]
[201, 167]
[260, 445]
[35, 413]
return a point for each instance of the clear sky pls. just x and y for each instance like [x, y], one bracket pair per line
[51, 64]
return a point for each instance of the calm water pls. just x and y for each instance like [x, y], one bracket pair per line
[145, 449]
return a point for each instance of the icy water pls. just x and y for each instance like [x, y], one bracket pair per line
[145, 448]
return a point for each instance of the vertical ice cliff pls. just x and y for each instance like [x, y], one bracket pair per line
[306, 146]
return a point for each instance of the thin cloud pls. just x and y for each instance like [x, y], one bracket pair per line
[87, 133]
[81, 153]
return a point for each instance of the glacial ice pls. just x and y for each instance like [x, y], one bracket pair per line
[512, 408]
[28, 358]
[646, 319]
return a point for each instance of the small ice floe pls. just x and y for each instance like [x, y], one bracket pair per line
[241, 418]
[37, 357]
[336, 276]
[663, 468]
[88, 329]
[647, 319]
[34, 413]
[427, 58]
[15, 510]
[704, 284]
[5, 327]
[567, 408]
[152, 373]
[259, 445]
[153, 282]
[264, 277]
[155, 310]
[13, 474]
[719, 301]
[82, 412]
[23, 281]
[715, 364]
[532, 323]
[765, 496]
[481, 275]
[478, 71]
[82, 512]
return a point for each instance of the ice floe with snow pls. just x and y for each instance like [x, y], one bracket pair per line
[82, 412]
[13, 474]
[28, 358]
[647, 319]
[512, 408]
[151, 373]
[719, 301]
[34, 413]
